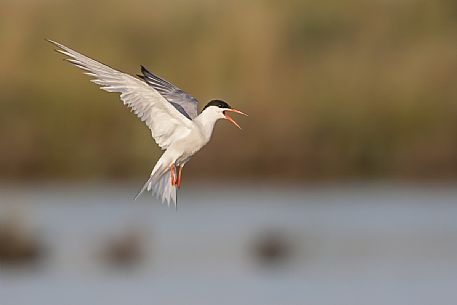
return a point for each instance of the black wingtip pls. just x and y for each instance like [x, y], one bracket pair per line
[146, 72]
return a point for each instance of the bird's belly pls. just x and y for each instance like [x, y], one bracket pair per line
[187, 148]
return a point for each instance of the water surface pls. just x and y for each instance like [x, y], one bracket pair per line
[338, 244]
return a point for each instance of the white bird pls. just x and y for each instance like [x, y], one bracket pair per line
[170, 113]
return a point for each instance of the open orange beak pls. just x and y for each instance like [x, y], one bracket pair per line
[232, 120]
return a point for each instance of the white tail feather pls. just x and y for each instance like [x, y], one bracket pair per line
[159, 183]
[164, 190]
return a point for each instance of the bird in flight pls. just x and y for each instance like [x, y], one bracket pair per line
[170, 113]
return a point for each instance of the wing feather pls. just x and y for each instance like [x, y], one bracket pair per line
[186, 104]
[166, 123]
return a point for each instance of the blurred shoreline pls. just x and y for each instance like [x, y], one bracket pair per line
[360, 89]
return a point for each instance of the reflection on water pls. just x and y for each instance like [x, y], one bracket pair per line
[250, 244]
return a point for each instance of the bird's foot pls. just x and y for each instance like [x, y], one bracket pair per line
[178, 183]
[172, 175]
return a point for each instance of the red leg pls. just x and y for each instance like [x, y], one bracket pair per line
[172, 174]
[179, 176]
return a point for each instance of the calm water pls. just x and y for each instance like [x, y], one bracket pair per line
[351, 244]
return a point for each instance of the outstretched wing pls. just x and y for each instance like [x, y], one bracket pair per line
[183, 102]
[165, 122]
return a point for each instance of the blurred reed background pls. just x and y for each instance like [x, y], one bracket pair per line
[335, 89]
[340, 189]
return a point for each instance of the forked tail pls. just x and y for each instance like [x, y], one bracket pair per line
[159, 183]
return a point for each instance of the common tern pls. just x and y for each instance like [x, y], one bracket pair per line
[170, 113]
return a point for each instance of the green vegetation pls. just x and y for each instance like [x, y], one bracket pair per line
[334, 89]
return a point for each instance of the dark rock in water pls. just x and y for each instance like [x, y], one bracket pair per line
[18, 247]
[126, 250]
[272, 248]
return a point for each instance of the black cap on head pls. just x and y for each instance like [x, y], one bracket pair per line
[218, 103]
